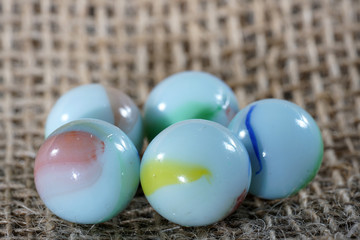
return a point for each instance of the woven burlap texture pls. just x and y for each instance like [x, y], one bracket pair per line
[303, 51]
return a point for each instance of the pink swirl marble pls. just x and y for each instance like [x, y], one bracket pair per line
[68, 162]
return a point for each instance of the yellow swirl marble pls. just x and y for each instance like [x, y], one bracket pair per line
[159, 173]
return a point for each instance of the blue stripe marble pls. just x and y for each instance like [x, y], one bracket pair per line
[291, 140]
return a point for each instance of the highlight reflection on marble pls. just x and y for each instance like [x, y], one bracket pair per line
[195, 172]
[87, 171]
[284, 144]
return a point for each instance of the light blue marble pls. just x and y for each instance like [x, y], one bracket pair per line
[188, 95]
[195, 172]
[113, 190]
[94, 101]
[87, 101]
[284, 144]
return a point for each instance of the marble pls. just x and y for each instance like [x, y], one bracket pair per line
[195, 172]
[99, 102]
[188, 95]
[284, 144]
[87, 171]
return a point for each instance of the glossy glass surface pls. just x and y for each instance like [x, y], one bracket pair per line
[284, 144]
[195, 173]
[188, 95]
[87, 171]
[95, 101]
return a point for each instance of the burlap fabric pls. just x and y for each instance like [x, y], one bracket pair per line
[303, 51]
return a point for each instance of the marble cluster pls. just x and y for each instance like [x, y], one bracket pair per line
[204, 153]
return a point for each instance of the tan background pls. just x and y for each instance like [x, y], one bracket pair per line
[303, 51]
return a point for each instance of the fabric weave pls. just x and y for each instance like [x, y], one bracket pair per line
[303, 51]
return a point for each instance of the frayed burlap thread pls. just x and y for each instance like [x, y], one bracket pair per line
[303, 51]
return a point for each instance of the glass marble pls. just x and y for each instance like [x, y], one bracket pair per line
[188, 95]
[284, 144]
[87, 171]
[195, 172]
[95, 101]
